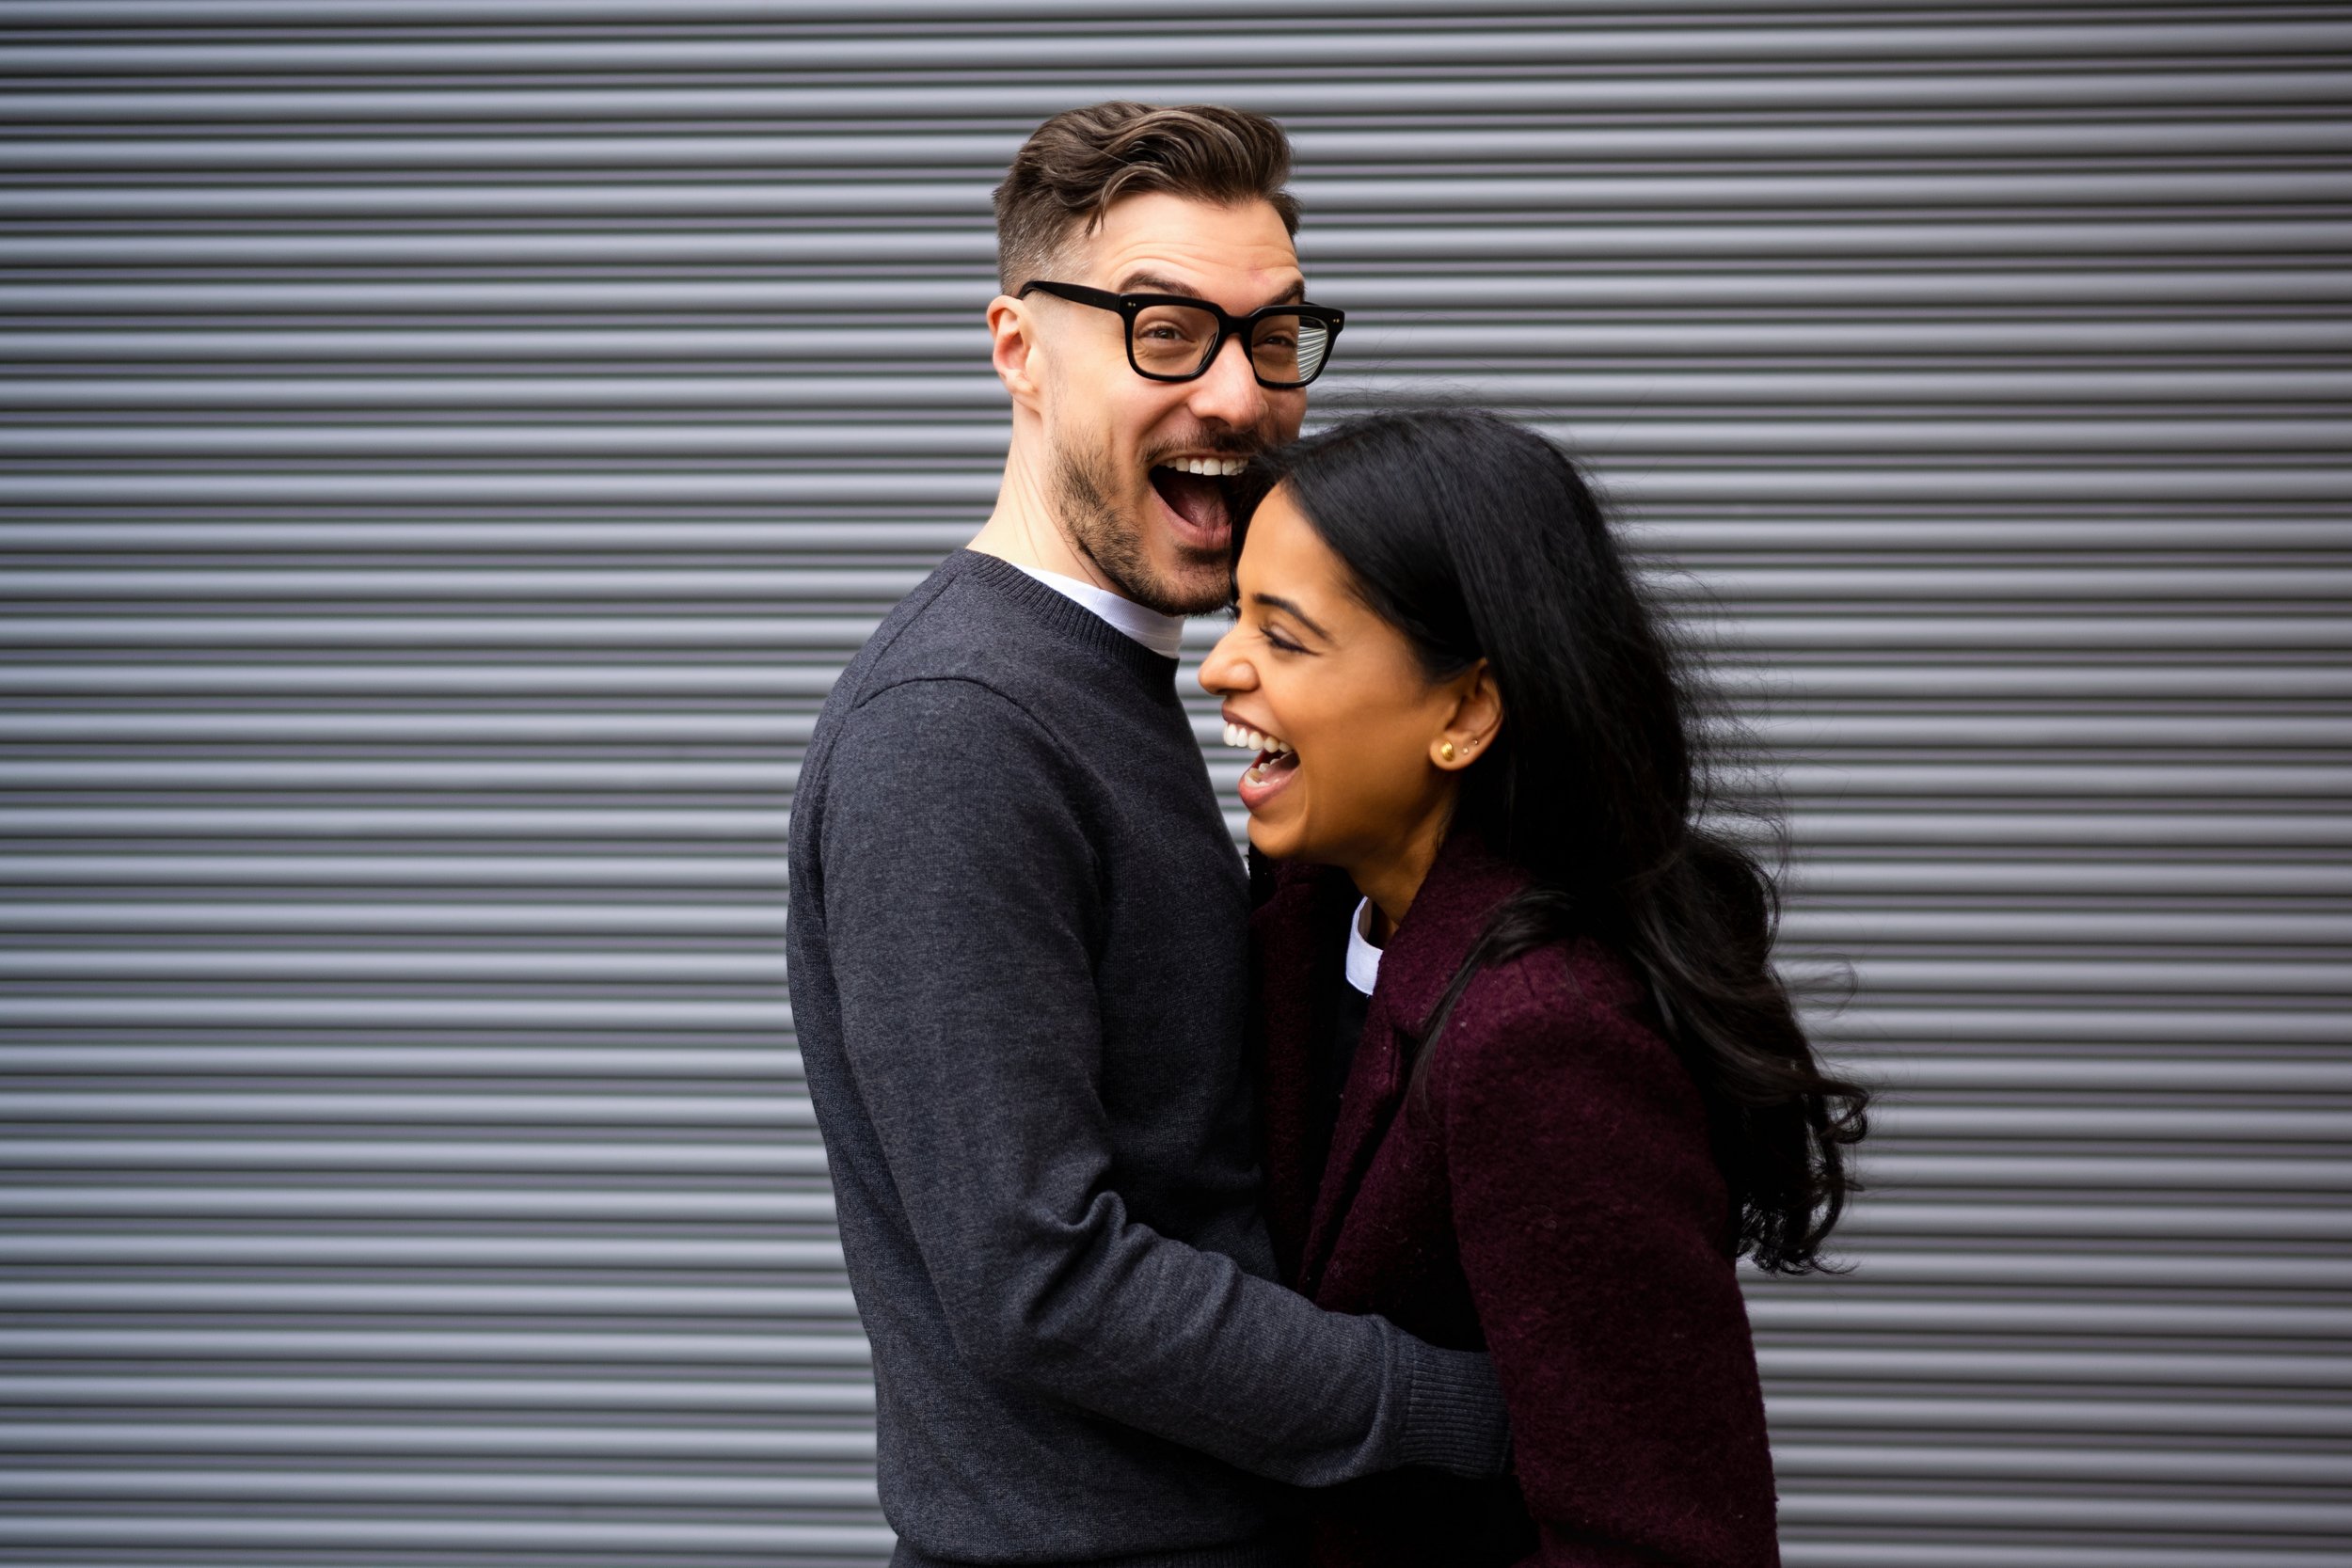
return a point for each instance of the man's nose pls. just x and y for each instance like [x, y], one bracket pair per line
[1228, 390]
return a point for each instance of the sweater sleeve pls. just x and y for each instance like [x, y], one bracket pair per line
[1589, 1217]
[960, 900]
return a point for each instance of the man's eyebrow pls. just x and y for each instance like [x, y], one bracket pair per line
[1152, 283]
[1275, 601]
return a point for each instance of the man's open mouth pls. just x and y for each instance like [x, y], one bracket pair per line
[1200, 489]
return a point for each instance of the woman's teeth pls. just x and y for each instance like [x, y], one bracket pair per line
[1273, 751]
[1213, 467]
[1249, 740]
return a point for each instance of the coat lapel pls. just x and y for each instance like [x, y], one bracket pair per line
[1376, 1085]
[1298, 952]
[1451, 910]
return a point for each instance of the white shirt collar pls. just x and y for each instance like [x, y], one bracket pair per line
[1163, 634]
[1363, 959]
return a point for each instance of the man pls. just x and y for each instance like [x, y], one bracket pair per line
[1017, 930]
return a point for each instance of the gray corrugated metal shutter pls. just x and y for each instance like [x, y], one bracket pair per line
[450, 446]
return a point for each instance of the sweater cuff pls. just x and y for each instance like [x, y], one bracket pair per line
[1453, 1416]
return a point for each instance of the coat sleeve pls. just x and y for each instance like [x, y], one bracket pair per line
[1591, 1220]
[960, 872]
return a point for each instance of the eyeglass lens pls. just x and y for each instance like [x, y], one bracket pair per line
[1177, 340]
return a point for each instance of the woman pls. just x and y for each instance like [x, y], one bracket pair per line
[1576, 1090]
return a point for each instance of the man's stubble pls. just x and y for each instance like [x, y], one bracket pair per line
[1100, 531]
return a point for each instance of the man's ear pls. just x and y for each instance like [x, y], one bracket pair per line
[1014, 348]
[1477, 718]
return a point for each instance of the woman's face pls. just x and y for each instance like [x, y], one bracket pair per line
[1346, 726]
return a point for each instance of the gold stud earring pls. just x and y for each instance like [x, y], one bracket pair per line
[1446, 750]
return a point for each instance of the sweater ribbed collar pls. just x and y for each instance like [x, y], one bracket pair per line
[1065, 617]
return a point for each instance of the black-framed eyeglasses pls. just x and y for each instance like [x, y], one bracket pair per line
[1177, 338]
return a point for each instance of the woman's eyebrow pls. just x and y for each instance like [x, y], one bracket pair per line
[1275, 601]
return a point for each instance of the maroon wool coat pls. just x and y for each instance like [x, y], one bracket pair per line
[1548, 1195]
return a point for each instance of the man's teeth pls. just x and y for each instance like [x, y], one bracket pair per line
[1253, 741]
[1213, 467]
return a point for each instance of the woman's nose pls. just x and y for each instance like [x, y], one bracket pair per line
[1223, 671]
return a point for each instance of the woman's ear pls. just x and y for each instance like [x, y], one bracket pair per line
[1010, 346]
[1477, 718]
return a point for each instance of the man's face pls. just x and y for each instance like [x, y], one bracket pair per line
[1119, 447]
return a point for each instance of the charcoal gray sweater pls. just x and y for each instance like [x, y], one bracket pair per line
[1017, 950]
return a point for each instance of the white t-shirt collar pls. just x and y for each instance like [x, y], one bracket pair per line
[1363, 959]
[1163, 634]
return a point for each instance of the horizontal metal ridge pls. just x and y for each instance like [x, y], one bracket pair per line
[772, 1254]
[2310, 1373]
[480, 1306]
[1655, 537]
[553, 1532]
[1464, 139]
[2316, 584]
[1018, 100]
[2190, 1412]
[2326, 1521]
[507, 1439]
[699, 1346]
[601, 1489]
[607, 1157]
[717, 1390]
[993, 44]
[1988, 479]
[2239, 292]
[622, 1205]
[807, 195]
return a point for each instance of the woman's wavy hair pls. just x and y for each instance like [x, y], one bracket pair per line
[1478, 539]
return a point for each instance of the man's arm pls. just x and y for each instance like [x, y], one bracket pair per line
[958, 894]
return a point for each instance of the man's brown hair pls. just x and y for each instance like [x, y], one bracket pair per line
[1075, 164]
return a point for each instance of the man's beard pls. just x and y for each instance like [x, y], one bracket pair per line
[1098, 530]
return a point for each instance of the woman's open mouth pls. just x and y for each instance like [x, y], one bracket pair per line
[1277, 764]
[1199, 491]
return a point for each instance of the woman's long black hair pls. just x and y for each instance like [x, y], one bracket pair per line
[1479, 539]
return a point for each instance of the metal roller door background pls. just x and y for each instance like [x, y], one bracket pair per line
[450, 448]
